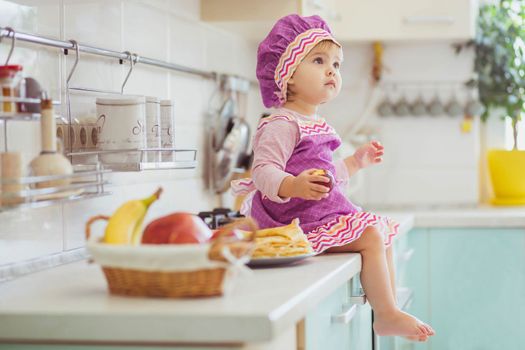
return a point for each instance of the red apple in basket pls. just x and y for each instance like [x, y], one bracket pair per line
[328, 174]
[176, 228]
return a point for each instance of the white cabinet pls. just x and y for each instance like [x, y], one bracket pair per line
[352, 20]
[404, 20]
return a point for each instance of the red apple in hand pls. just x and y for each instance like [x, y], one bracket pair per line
[177, 228]
[328, 174]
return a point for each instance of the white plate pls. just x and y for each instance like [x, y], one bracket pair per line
[280, 260]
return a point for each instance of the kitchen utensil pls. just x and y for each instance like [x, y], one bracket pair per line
[235, 148]
[122, 123]
[66, 133]
[244, 128]
[227, 157]
[435, 108]
[386, 108]
[453, 107]
[223, 123]
[402, 108]
[88, 123]
[474, 107]
[418, 107]
[49, 162]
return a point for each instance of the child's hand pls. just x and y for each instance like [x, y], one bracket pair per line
[368, 154]
[304, 186]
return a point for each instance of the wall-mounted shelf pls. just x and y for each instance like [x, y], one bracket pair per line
[85, 184]
[141, 159]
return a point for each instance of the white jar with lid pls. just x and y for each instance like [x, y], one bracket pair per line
[167, 123]
[153, 139]
[121, 121]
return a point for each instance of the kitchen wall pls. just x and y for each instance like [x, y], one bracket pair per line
[165, 30]
[428, 160]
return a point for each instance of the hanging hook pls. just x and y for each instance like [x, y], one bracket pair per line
[77, 58]
[133, 58]
[10, 31]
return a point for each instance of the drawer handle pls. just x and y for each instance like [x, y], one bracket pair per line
[407, 255]
[346, 316]
[429, 20]
[358, 299]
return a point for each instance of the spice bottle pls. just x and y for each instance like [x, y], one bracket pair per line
[10, 79]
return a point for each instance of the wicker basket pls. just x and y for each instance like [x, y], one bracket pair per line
[153, 270]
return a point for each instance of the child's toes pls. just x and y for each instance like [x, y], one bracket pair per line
[430, 330]
[422, 330]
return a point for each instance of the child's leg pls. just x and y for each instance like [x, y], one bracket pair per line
[375, 278]
[391, 270]
[392, 273]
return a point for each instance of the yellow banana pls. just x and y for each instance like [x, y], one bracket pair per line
[125, 225]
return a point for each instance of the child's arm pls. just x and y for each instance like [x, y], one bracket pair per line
[366, 155]
[273, 145]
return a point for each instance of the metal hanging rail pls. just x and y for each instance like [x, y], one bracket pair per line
[6, 32]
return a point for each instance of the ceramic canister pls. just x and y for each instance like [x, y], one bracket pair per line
[122, 126]
[167, 123]
[153, 127]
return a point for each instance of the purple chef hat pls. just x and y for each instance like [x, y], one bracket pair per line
[283, 49]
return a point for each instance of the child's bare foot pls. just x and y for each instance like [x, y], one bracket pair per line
[402, 324]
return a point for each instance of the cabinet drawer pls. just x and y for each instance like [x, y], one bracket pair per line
[340, 321]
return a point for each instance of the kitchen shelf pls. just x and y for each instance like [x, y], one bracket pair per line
[85, 184]
[17, 116]
[170, 158]
[20, 116]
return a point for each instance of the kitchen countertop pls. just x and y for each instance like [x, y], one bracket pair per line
[461, 216]
[70, 304]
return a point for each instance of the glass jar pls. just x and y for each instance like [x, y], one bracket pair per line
[10, 80]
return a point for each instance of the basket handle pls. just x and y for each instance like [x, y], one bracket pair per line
[237, 248]
[242, 222]
[91, 221]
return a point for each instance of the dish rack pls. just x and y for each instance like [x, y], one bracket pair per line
[170, 158]
[84, 184]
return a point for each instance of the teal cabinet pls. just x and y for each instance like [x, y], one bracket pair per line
[469, 284]
[340, 322]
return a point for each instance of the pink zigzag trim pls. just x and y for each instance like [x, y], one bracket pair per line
[322, 237]
[291, 47]
[296, 52]
[299, 48]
